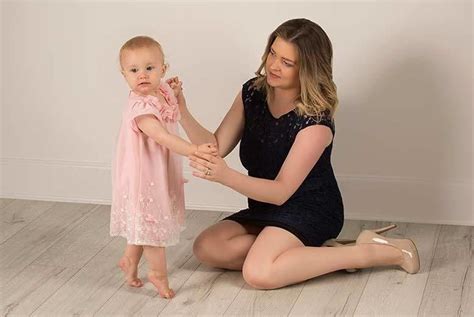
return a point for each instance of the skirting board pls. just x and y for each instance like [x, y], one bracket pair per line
[365, 197]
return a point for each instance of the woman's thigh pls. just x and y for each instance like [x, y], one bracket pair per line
[225, 244]
[267, 247]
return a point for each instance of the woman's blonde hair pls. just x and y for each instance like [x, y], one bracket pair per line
[140, 42]
[318, 92]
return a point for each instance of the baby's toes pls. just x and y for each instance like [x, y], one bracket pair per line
[136, 282]
[168, 294]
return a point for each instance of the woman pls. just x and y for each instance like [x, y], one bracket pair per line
[284, 121]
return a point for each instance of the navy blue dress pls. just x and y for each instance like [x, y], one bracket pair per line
[314, 213]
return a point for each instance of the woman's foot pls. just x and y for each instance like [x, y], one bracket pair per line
[161, 283]
[408, 258]
[131, 270]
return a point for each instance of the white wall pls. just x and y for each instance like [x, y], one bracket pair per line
[404, 140]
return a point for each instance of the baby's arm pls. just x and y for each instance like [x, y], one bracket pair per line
[150, 126]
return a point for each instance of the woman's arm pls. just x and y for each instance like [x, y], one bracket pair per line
[228, 133]
[193, 129]
[305, 152]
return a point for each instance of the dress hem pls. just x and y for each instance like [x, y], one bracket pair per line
[162, 244]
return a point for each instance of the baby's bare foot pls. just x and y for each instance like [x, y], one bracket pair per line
[161, 284]
[130, 272]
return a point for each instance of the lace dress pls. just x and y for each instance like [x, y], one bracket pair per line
[314, 213]
[148, 191]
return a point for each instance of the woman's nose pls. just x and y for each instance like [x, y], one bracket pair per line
[275, 65]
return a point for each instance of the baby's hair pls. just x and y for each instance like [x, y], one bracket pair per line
[141, 41]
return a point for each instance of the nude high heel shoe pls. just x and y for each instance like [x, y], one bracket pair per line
[411, 260]
[346, 242]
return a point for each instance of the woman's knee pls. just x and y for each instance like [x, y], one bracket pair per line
[202, 247]
[258, 275]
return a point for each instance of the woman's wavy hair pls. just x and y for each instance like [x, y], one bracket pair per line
[318, 92]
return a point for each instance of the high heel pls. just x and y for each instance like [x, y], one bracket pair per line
[347, 242]
[344, 242]
[411, 259]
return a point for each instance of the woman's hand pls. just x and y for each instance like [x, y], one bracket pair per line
[210, 167]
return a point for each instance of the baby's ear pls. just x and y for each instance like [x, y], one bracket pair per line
[165, 68]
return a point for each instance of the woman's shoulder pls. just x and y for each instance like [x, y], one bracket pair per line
[252, 85]
[324, 118]
[250, 90]
[249, 84]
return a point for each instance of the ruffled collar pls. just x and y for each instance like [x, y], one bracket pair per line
[169, 111]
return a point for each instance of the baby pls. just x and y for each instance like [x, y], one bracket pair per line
[148, 194]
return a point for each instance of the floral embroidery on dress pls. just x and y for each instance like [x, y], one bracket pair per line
[141, 227]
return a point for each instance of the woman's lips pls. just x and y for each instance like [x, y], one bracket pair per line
[274, 76]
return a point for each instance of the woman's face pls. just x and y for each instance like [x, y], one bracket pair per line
[281, 65]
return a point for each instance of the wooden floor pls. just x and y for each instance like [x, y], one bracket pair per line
[57, 259]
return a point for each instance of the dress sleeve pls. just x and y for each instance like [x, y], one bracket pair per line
[252, 98]
[325, 119]
[167, 111]
[142, 107]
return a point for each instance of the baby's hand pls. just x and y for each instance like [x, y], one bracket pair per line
[176, 85]
[208, 148]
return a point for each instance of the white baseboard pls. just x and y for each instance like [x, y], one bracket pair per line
[365, 197]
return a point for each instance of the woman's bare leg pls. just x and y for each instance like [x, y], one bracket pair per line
[128, 263]
[277, 258]
[225, 244]
[158, 274]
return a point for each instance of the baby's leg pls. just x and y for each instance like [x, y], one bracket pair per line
[158, 275]
[129, 264]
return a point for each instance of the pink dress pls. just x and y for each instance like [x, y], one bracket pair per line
[148, 184]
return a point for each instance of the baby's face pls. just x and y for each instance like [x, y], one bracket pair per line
[143, 69]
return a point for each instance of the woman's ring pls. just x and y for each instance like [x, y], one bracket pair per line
[208, 172]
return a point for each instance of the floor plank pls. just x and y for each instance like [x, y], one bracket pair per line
[390, 290]
[30, 242]
[207, 292]
[89, 288]
[337, 293]
[252, 302]
[181, 264]
[57, 259]
[467, 294]
[82, 242]
[18, 214]
[5, 202]
[443, 294]
[25, 292]
[66, 256]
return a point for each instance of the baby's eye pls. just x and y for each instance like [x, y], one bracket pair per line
[134, 70]
[150, 68]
